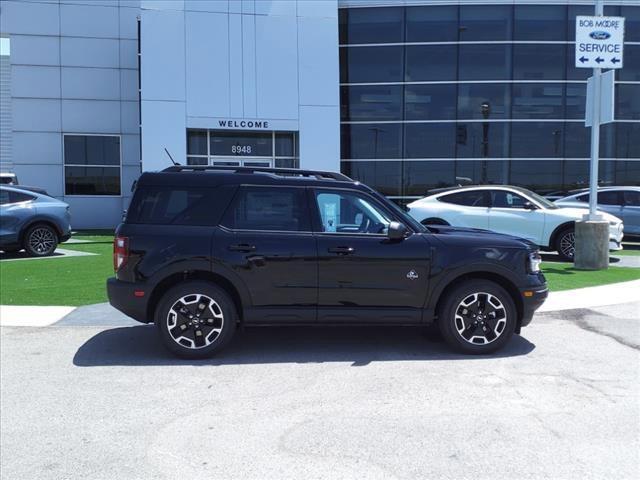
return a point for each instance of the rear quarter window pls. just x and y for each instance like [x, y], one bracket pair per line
[168, 205]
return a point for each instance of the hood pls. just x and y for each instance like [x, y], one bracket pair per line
[578, 213]
[479, 237]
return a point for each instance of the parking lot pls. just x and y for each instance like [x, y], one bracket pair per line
[103, 402]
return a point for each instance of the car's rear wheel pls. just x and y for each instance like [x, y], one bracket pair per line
[196, 319]
[477, 317]
[566, 244]
[41, 240]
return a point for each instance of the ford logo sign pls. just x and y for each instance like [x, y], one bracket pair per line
[599, 35]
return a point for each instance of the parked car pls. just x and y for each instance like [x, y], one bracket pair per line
[203, 249]
[32, 221]
[622, 202]
[511, 210]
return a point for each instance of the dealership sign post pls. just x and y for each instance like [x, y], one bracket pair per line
[599, 44]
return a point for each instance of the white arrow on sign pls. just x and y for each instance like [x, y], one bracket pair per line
[599, 42]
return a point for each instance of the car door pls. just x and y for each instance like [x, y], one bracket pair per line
[468, 208]
[265, 238]
[508, 214]
[363, 276]
[631, 211]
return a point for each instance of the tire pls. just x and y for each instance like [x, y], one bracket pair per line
[471, 335]
[40, 240]
[565, 244]
[177, 330]
[434, 221]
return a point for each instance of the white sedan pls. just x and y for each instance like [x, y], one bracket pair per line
[511, 210]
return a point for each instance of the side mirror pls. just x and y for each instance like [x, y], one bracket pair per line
[396, 231]
[529, 206]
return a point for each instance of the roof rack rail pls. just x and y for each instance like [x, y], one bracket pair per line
[320, 175]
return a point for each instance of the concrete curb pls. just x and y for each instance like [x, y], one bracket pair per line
[602, 295]
[19, 316]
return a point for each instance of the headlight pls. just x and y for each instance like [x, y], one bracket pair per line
[534, 262]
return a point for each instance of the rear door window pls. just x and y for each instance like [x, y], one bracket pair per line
[279, 209]
[609, 198]
[478, 198]
[175, 206]
[631, 198]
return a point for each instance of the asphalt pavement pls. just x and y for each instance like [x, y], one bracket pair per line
[86, 401]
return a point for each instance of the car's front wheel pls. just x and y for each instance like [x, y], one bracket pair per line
[477, 317]
[196, 319]
[566, 244]
[41, 240]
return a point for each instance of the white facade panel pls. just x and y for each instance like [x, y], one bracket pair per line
[162, 4]
[35, 50]
[129, 117]
[276, 7]
[84, 208]
[29, 18]
[48, 176]
[129, 54]
[35, 115]
[90, 116]
[318, 8]
[89, 21]
[318, 61]
[128, 19]
[249, 99]
[216, 6]
[91, 83]
[129, 85]
[163, 126]
[163, 55]
[207, 60]
[249, 7]
[89, 52]
[130, 147]
[277, 67]
[35, 82]
[236, 108]
[320, 138]
[37, 148]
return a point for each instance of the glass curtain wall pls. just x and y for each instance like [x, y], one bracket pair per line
[440, 95]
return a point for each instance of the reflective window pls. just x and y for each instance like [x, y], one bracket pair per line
[573, 73]
[472, 198]
[631, 23]
[197, 142]
[576, 140]
[285, 144]
[627, 144]
[484, 62]
[432, 24]
[575, 100]
[430, 102]
[371, 25]
[573, 12]
[482, 171]
[575, 175]
[371, 141]
[421, 176]
[607, 140]
[385, 177]
[539, 22]
[429, 140]
[346, 212]
[539, 62]
[473, 96]
[371, 64]
[197, 161]
[631, 70]
[482, 140]
[627, 102]
[236, 143]
[431, 63]
[536, 139]
[538, 100]
[371, 102]
[274, 209]
[92, 164]
[485, 22]
[544, 176]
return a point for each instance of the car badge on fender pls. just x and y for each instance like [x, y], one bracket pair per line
[412, 275]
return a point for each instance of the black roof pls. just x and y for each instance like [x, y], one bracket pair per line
[229, 175]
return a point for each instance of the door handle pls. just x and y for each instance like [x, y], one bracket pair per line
[242, 247]
[342, 250]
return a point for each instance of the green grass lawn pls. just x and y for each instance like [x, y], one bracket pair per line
[60, 281]
[562, 276]
[81, 280]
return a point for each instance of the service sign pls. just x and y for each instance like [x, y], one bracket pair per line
[599, 42]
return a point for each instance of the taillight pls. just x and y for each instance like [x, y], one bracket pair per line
[120, 252]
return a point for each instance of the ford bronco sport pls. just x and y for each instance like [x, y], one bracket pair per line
[205, 249]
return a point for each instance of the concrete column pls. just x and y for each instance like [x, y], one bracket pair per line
[592, 245]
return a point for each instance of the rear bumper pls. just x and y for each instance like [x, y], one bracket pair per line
[122, 296]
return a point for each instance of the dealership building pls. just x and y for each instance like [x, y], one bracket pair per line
[403, 95]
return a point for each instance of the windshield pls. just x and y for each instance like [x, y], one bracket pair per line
[538, 198]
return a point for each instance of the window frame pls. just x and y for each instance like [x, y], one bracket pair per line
[118, 166]
[238, 192]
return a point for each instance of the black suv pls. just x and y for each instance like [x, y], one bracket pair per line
[205, 249]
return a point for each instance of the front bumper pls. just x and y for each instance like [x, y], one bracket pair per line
[616, 232]
[532, 299]
[122, 296]
[614, 245]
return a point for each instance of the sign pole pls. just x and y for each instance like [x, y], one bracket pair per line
[595, 132]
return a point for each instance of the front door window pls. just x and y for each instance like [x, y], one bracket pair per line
[345, 212]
